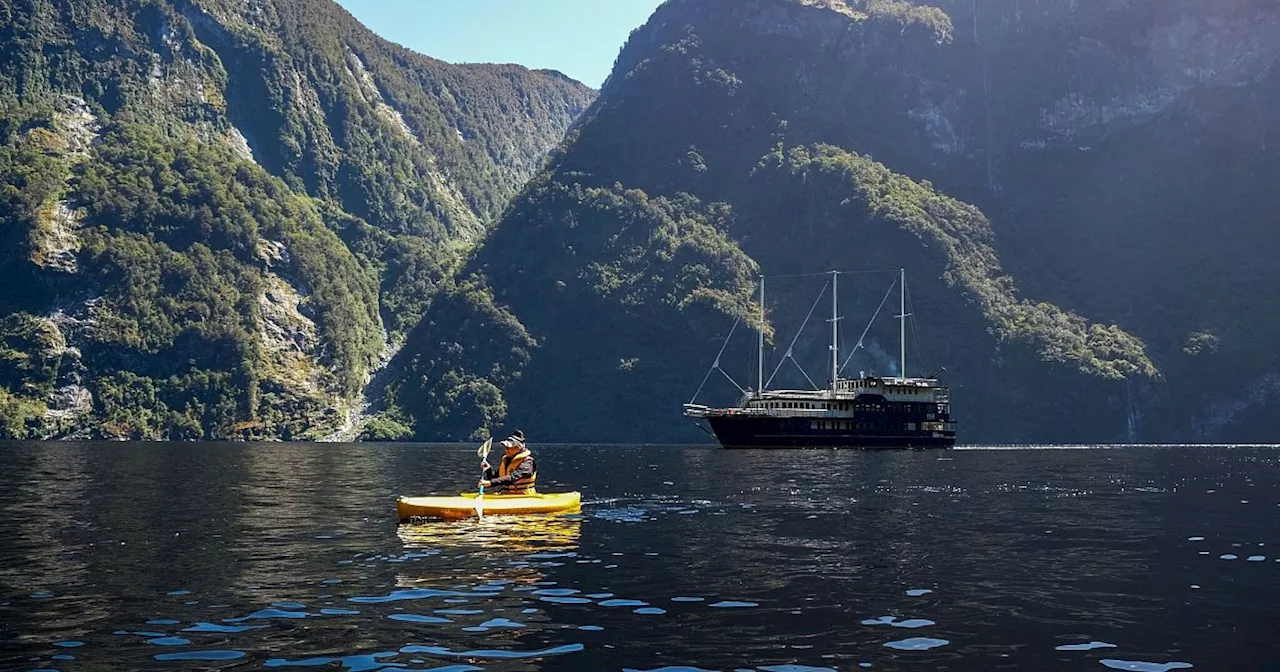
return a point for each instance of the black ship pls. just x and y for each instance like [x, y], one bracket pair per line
[864, 412]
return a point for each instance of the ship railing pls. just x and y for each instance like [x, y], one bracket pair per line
[795, 413]
[697, 410]
[702, 411]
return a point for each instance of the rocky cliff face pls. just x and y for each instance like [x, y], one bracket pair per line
[1078, 189]
[1127, 174]
[219, 218]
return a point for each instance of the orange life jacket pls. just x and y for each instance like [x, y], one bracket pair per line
[520, 486]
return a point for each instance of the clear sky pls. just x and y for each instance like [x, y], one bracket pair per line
[580, 38]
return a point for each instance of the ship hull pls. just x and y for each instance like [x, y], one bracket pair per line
[770, 432]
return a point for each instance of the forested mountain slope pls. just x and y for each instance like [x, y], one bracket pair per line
[1076, 190]
[218, 218]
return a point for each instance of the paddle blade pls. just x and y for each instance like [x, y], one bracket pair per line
[480, 503]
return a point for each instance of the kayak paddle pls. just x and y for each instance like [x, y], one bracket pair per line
[483, 452]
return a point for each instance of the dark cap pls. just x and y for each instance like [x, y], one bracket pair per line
[516, 439]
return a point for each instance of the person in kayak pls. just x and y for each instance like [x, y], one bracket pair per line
[516, 472]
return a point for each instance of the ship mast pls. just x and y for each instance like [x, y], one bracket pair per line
[902, 313]
[760, 385]
[835, 317]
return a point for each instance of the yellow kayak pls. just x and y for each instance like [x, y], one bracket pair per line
[464, 505]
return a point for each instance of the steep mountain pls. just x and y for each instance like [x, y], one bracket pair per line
[218, 218]
[1076, 192]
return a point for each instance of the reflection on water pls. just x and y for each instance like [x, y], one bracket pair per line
[230, 556]
[498, 534]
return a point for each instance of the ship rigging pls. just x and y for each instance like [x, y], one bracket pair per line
[864, 412]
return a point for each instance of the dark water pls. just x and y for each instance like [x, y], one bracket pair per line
[171, 557]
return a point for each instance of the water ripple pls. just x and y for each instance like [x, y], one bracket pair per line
[270, 613]
[1142, 666]
[566, 600]
[1085, 647]
[356, 663]
[408, 594]
[213, 654]
[917, 643]
[669, 668]
[493, 653]
[418, 618]
[623, 603]
[169, 641]
[216, 627]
